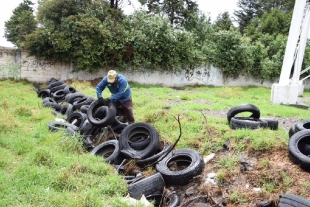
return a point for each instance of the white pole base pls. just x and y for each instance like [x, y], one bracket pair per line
[284, 94]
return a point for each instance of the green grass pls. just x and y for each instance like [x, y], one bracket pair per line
[43, 168]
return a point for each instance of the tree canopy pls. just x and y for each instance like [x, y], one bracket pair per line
[21, 23]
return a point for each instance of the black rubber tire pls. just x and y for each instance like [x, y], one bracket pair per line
[173, 200]
[299, 149]
[69, 89]
[52, 80]
[138, 142]
[87, 100]
[110, 152]
[302, 125]
[77, 119]
[54, 84]
[146, 186]
[44, 93]
[183, 176]
[140, 127]
[49, 102]
[67, 109]
[59, 95]
[86, 128]
[273, 124]
[289, 200]
[154, 158]
[71, 97]
[108, 119]
[59, 125]
[292, 130]
[155, 198]
[119, 128]
[243, 108]
[56, 88]
[247, 123]
[84, 109]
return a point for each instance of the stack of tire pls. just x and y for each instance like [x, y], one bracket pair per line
[139, 141]
[83, 115]
[254, 121]
[299, 144]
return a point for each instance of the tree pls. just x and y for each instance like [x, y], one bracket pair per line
[178, 11]
[21, 23]
[272, 23]
[248, 10]
[223, 22]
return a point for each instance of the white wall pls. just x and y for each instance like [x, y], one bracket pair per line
[18, 64]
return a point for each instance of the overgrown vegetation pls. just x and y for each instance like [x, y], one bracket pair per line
[44, 168]
[167, 36]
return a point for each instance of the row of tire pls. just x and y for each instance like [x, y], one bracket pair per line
[254, 121]
[139, 141]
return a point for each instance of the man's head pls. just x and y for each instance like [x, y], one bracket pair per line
[111, 76]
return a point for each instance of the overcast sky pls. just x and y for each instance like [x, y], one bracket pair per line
[207, 6]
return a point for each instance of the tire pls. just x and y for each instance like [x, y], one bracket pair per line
[77, 119]
[173, 200]
[72, 97]
[59, 95]
[44, 93]
[141, 128]
[247, 123]
[190, 157]
[244, 108]
[299, 149]
[69, 89]
[289, 200]
[56, 88]
[55, 83]
[86, 128]
[273, 124]
[109, 150]
[108, 119]
[59, 125]
[49, 102]
[119, 128]
[87, 100]
[302, 125]
[84, 109]
[67, 109]
[292, 130]
[154, 158]
[146, 186]
[138, 141]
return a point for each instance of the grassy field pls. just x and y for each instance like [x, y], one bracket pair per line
[43, 168]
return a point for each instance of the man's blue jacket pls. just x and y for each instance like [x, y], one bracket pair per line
[120, 90]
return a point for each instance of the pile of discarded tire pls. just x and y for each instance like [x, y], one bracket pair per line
[299, 144]
[254, 121]
[105, 133]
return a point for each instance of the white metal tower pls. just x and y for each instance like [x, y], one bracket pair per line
[288, 90]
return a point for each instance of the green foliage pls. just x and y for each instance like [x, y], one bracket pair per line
[21, 23]
[273, 23]
[230, 52]
[223, 22]
[157, 45]
[178, 12]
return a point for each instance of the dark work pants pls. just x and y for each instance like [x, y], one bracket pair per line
[127, 107]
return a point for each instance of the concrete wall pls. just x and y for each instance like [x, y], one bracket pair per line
[18, 64]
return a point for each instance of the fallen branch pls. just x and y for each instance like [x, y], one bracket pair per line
[173, 146]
